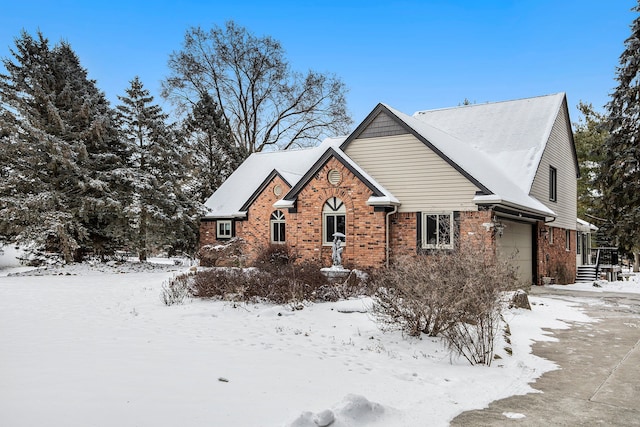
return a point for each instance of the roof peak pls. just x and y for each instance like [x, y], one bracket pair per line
[561, 94]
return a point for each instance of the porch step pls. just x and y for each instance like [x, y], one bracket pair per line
[586, 273]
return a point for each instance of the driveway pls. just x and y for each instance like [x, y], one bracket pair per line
[598, 382]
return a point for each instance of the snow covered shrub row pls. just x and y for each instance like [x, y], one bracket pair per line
[277, 276]
[455, 294]
[289, 283]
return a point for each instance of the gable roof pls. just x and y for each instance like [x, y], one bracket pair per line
[295, 167]
[496, 146]
[478, 166]
[230, 198]
[379, 197]
[512, 133]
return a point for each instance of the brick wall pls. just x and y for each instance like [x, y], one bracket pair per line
[554, 260]
[256, 229]
[365, 229]
[476, 232]
[403, 235]
[208, 233]
[404, 238]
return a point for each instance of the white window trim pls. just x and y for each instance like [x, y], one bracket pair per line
[341, 211]
[567, 244]
[324, 227]
[423, 233]
[224, 235]
[272, 224]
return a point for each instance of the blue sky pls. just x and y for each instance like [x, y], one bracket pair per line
[410, 54]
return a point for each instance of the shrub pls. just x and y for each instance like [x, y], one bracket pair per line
[453, 294]
[176, 290]
[274, 256]
[291, 283]
[229, 254]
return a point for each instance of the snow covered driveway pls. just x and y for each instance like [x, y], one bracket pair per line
[100, 349]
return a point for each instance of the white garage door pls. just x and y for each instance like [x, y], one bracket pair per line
[516, 244]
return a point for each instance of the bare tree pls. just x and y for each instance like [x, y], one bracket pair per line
[262, 99]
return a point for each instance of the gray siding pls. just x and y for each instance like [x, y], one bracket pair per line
[412, 172]
[559, 154]
[382, 125]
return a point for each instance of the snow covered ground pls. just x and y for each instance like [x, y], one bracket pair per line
[631, 284]
[90, 346]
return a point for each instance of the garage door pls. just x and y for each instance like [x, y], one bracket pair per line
[516, 244]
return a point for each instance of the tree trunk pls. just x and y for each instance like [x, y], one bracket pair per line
[142, 236]
[636, 262]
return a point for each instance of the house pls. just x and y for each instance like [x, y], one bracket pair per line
[403, 184]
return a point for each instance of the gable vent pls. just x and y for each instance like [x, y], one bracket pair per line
[334, 177]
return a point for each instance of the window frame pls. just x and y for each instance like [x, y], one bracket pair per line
[425, 226]
[277, 221]
[553, 184]
[551, 235]
[226, 234]
[334, 208]
[567, 240]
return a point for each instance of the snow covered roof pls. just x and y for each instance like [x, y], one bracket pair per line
[236, 190]
[380, 195]
[513, 134]
[478, 165]
[497, 146]
[231, 198]
[585, 226]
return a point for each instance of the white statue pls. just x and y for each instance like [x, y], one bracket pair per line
[336, 249]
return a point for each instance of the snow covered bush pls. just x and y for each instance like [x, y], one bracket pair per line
[228, 255]
[454, 294]
[176, 290]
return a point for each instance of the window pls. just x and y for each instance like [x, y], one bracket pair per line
[277, 227]
[334, 219]
[437, 231]
[567, 240]
[551, 235]
[224, 229]
[553, 184]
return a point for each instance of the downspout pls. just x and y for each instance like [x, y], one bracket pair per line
[387, 223]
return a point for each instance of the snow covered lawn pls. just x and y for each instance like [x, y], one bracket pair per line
[98, 348]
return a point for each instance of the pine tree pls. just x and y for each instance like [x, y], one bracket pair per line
[57, 194]
[214, 153]
[161, 215]
[589, 135]
[621, 165]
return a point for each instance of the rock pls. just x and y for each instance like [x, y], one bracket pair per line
[520, 299]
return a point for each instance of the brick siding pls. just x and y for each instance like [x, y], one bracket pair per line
[554, 260]
[365, 228]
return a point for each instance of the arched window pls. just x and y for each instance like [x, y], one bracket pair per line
[277, 227]
[334, 216]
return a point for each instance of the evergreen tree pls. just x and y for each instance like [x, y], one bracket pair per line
[621, 165]
[214, 154]
[61, 149]
[160, 214]
[589, 135]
